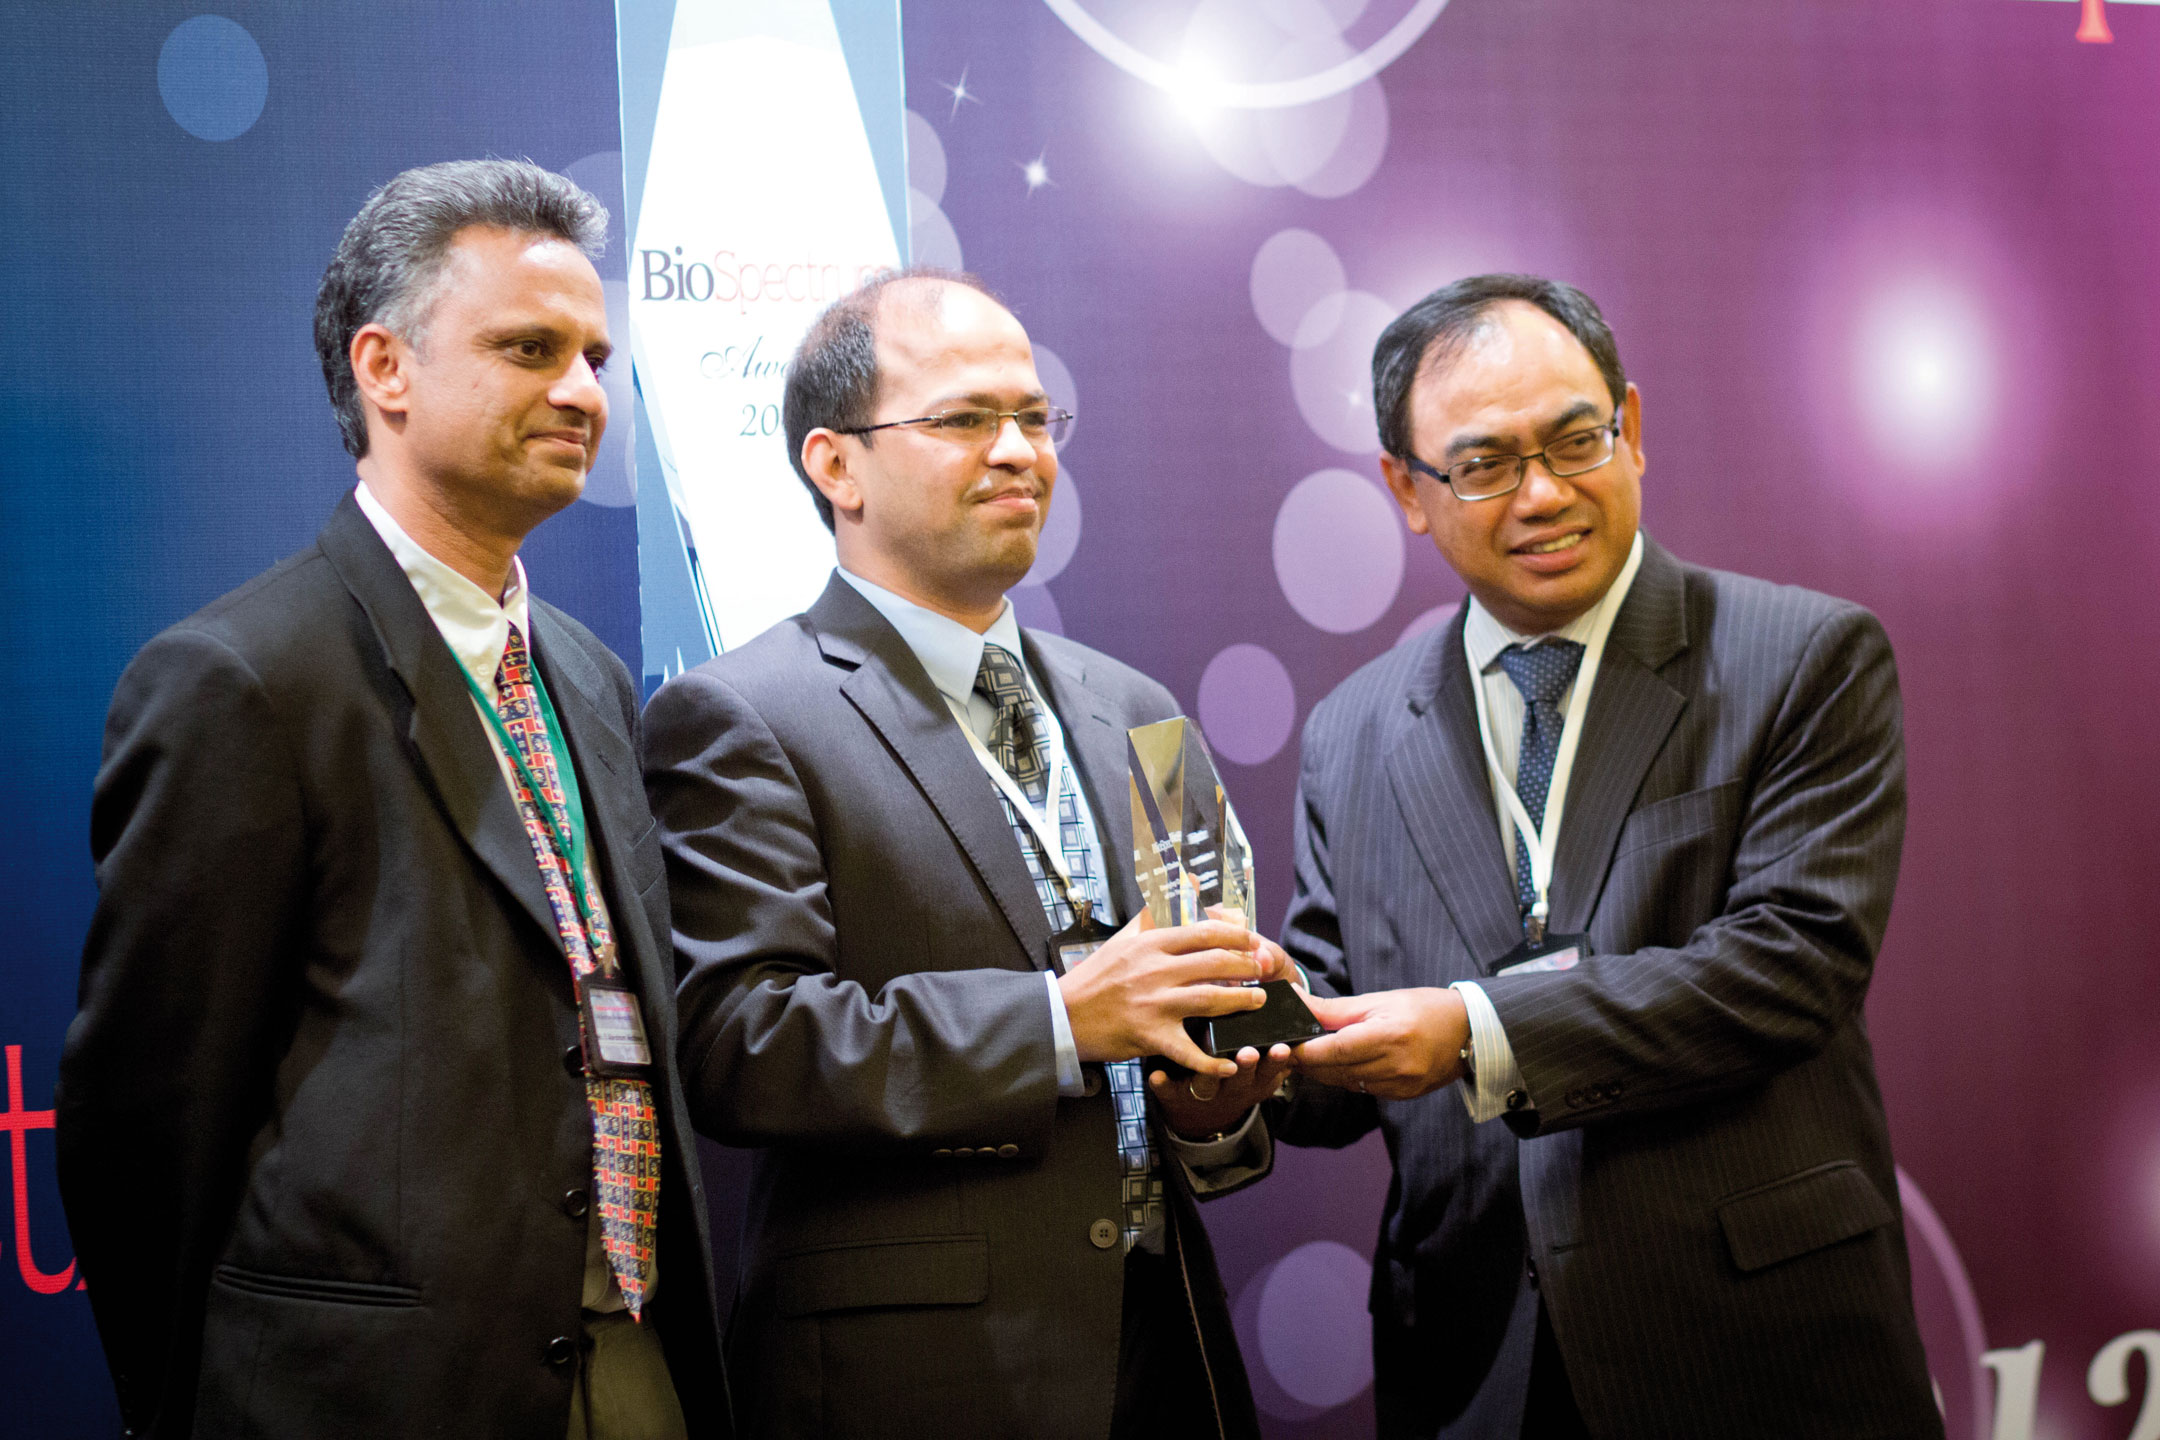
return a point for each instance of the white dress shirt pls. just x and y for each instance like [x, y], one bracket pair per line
[1483, 639]
[476, 627]
[952, 655]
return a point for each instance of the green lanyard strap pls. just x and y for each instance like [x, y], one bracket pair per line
[572, 845]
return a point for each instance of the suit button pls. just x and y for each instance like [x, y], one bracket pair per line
[1575, 1100]
[963, 1152]
[561, 1351]
[1516, 1099]
[573, 1060]
[1008, 1152]
[941, 1154]
[1091, 1080]
[575, 1204]
[1102, 1234]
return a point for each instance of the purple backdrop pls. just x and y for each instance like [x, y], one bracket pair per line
[1886, 277]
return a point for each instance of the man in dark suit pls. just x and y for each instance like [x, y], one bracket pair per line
[966, 1220]
[1605, 860]
[339, 1154]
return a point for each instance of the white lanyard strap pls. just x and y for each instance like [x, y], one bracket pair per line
[1540, 843]
[1043, 821]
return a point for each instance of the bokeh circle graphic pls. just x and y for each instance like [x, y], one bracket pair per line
[212, 77]
[1293, 272]
[1037, 609]
[1058, 385]
[925, 159]
[1338, 551]
[1315, 1330]
[1331, 369]
[1429, 621]
[1337, 73]
[1247, 704]
[1326, 148]
[1060, 531]
[931, 237]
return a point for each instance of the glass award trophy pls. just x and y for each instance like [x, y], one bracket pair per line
[1190, 855]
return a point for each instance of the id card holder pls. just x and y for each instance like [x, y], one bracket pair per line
[1078, 940]
[1553, 953]
[613, 1030]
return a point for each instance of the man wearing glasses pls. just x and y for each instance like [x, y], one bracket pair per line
[897, 826]
[1599, 871]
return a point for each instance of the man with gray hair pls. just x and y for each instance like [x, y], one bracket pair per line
[369, 1124]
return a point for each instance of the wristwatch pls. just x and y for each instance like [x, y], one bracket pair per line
[1468, 1056]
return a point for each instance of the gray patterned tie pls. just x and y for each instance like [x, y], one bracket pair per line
[1019, 743]
[1542, 673]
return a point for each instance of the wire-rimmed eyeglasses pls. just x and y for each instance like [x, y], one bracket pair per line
[980, 424]
[1488, 477]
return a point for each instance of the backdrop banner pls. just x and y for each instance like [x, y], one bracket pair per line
[1885, 276]
[746, 227]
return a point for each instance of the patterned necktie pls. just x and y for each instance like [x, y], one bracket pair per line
[1020, 744]
[1542, 673]
[626, 1132]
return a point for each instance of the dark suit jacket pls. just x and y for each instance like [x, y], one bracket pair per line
[930, 1247]
[317, 1141]
[1698, 1167]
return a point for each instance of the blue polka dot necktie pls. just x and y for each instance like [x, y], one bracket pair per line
[1019, 743]
[1542, 673]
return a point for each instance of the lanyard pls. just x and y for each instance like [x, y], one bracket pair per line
[572, 845]
[1541, 843]
[1043, 821]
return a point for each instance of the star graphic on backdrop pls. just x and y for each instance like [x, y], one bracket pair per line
[960, 92]
[1036, 172]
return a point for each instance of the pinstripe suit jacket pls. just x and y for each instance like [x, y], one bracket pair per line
[1697, 1167]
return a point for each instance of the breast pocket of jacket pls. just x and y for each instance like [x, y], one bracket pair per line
[647, 864]
[1672, 864]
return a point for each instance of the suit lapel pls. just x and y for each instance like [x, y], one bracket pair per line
[1095, 741]
[1438, 771]
[1632, 711]
[891, 690]
[449, 745]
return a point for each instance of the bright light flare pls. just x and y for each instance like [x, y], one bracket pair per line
[1926, 372]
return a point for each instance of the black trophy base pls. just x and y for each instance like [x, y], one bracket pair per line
[1284, 1020]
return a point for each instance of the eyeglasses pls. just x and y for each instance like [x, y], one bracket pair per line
[1488, 477]
[980, 424]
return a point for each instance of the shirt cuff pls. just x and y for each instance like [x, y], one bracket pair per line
[1497, 1073]
[1070, 1081]
[1201, 1154]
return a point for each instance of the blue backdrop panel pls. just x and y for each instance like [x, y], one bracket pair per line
[173, 184]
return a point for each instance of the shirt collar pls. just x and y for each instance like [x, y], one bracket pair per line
[1484, 637]
[473, 624]
[948, 650]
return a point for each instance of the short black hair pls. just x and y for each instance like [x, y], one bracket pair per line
[1435, 329]
[391, 255]
[832, 382]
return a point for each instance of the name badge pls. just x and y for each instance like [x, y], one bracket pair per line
[1554, 952]
[1078, 940]
[614, 1030]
